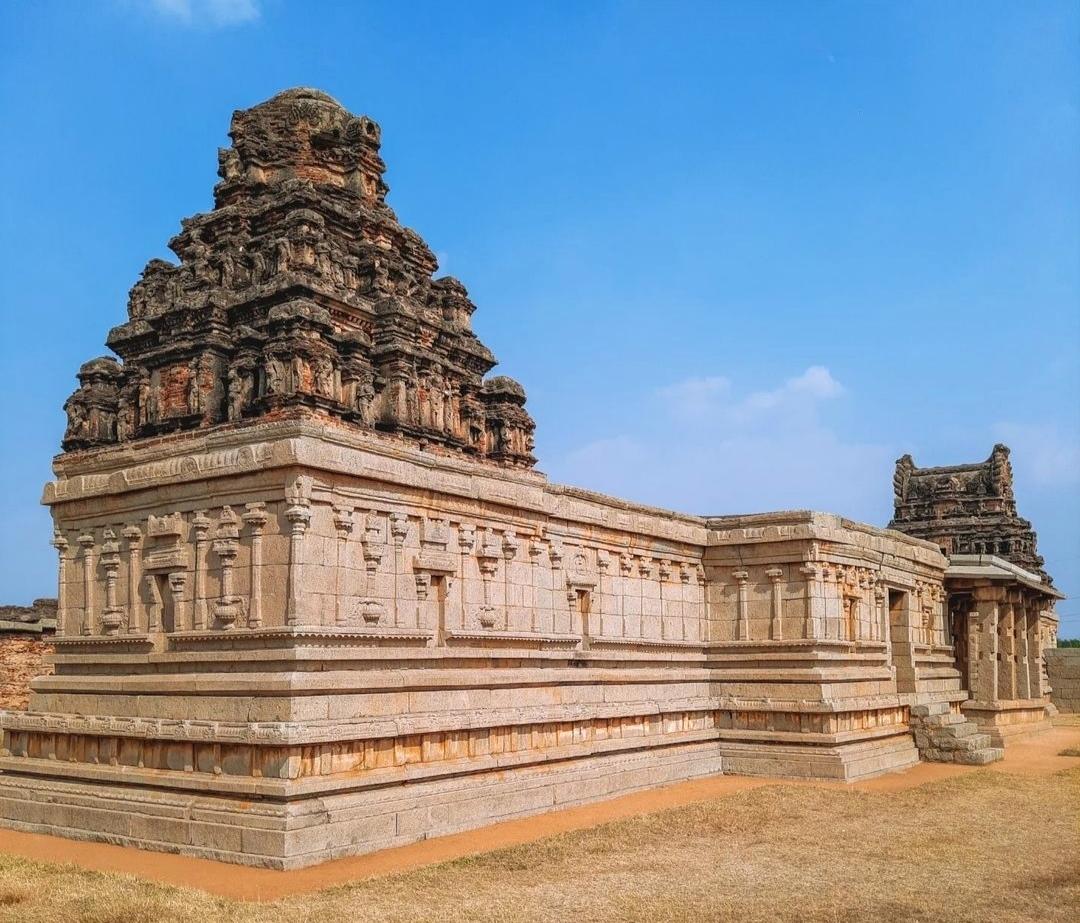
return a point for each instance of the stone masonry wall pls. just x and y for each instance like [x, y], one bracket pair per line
[1063, 669]
[22, 657]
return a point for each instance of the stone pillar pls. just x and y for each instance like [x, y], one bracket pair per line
[1023, 652]
[61, 545]
[1007, 650]
[742, 615]
[201, 527]
[776, 625]
[134, 575]
[815, 600]
[255, 518]
[299, 517]
[983, 644]
[1035, 654]
[86, 541]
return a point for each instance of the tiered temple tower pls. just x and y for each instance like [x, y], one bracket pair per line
[301, 294]
[966, 509]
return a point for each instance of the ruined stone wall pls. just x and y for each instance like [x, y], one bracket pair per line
[22, 657]
[26, 634]
[1063, 669]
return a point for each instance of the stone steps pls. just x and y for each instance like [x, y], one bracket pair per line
[945, 736]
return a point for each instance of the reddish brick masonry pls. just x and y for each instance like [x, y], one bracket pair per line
[22, 657]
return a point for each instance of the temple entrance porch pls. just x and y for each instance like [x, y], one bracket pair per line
[996, 614]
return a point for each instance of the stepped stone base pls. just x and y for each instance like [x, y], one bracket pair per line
[847, 763]
[944, 735]
[294, 834]
[1005, 722]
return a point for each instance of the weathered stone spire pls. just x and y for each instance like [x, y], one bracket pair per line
[301, 293]
[965, 509]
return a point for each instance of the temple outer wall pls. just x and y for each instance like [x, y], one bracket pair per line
[302, 617]
[1063, 671]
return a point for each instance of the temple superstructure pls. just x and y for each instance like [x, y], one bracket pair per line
[965, 509]
[301, 292]
[314, 600]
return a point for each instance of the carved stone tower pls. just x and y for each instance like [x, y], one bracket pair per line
[301, 295]
[965, 509]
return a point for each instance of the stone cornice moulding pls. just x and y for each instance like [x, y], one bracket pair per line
[291, 444]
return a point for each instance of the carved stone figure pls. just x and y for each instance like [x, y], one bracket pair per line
[125, 420]
[275, 375]
[194, 392]
[78, 422]
[145, 415]
[240, 390]
[324, 377]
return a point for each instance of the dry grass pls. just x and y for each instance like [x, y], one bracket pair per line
[1070, 751]
[986, 845]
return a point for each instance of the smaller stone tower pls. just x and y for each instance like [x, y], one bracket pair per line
[966, 509]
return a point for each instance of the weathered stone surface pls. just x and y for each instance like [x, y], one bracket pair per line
[313, 599]
[22, 657]
[1063, 673]
[301, 292]
[965, 509]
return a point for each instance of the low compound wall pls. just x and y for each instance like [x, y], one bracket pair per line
[26, 634]
[1063, 670]
[22, 657]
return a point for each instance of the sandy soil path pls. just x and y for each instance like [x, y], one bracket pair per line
[1035, 756]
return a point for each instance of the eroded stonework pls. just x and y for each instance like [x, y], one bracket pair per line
[965, 509]
[314, 601]
[301, 290]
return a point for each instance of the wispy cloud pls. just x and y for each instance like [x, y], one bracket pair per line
[206, 12]
[701, 446]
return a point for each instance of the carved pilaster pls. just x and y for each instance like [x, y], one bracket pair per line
[61, 545]
[742, 615]
[299, 517]
[255, 517]
[812, 625]
[343, 525]
[111, 616]
[86, 542]
[133, 536]
[200, 526]
[487, 559]
[229, 608]
[776, 625]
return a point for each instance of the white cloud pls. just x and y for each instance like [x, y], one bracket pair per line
[207, 12]
[701, 447]
[1047, 454]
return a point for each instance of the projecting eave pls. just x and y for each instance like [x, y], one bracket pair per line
[997, 570]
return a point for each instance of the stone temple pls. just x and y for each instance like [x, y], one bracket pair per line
[314, 599]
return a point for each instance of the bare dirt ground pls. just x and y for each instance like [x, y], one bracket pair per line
[936, 843]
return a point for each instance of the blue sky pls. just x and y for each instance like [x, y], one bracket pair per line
[742, 256]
